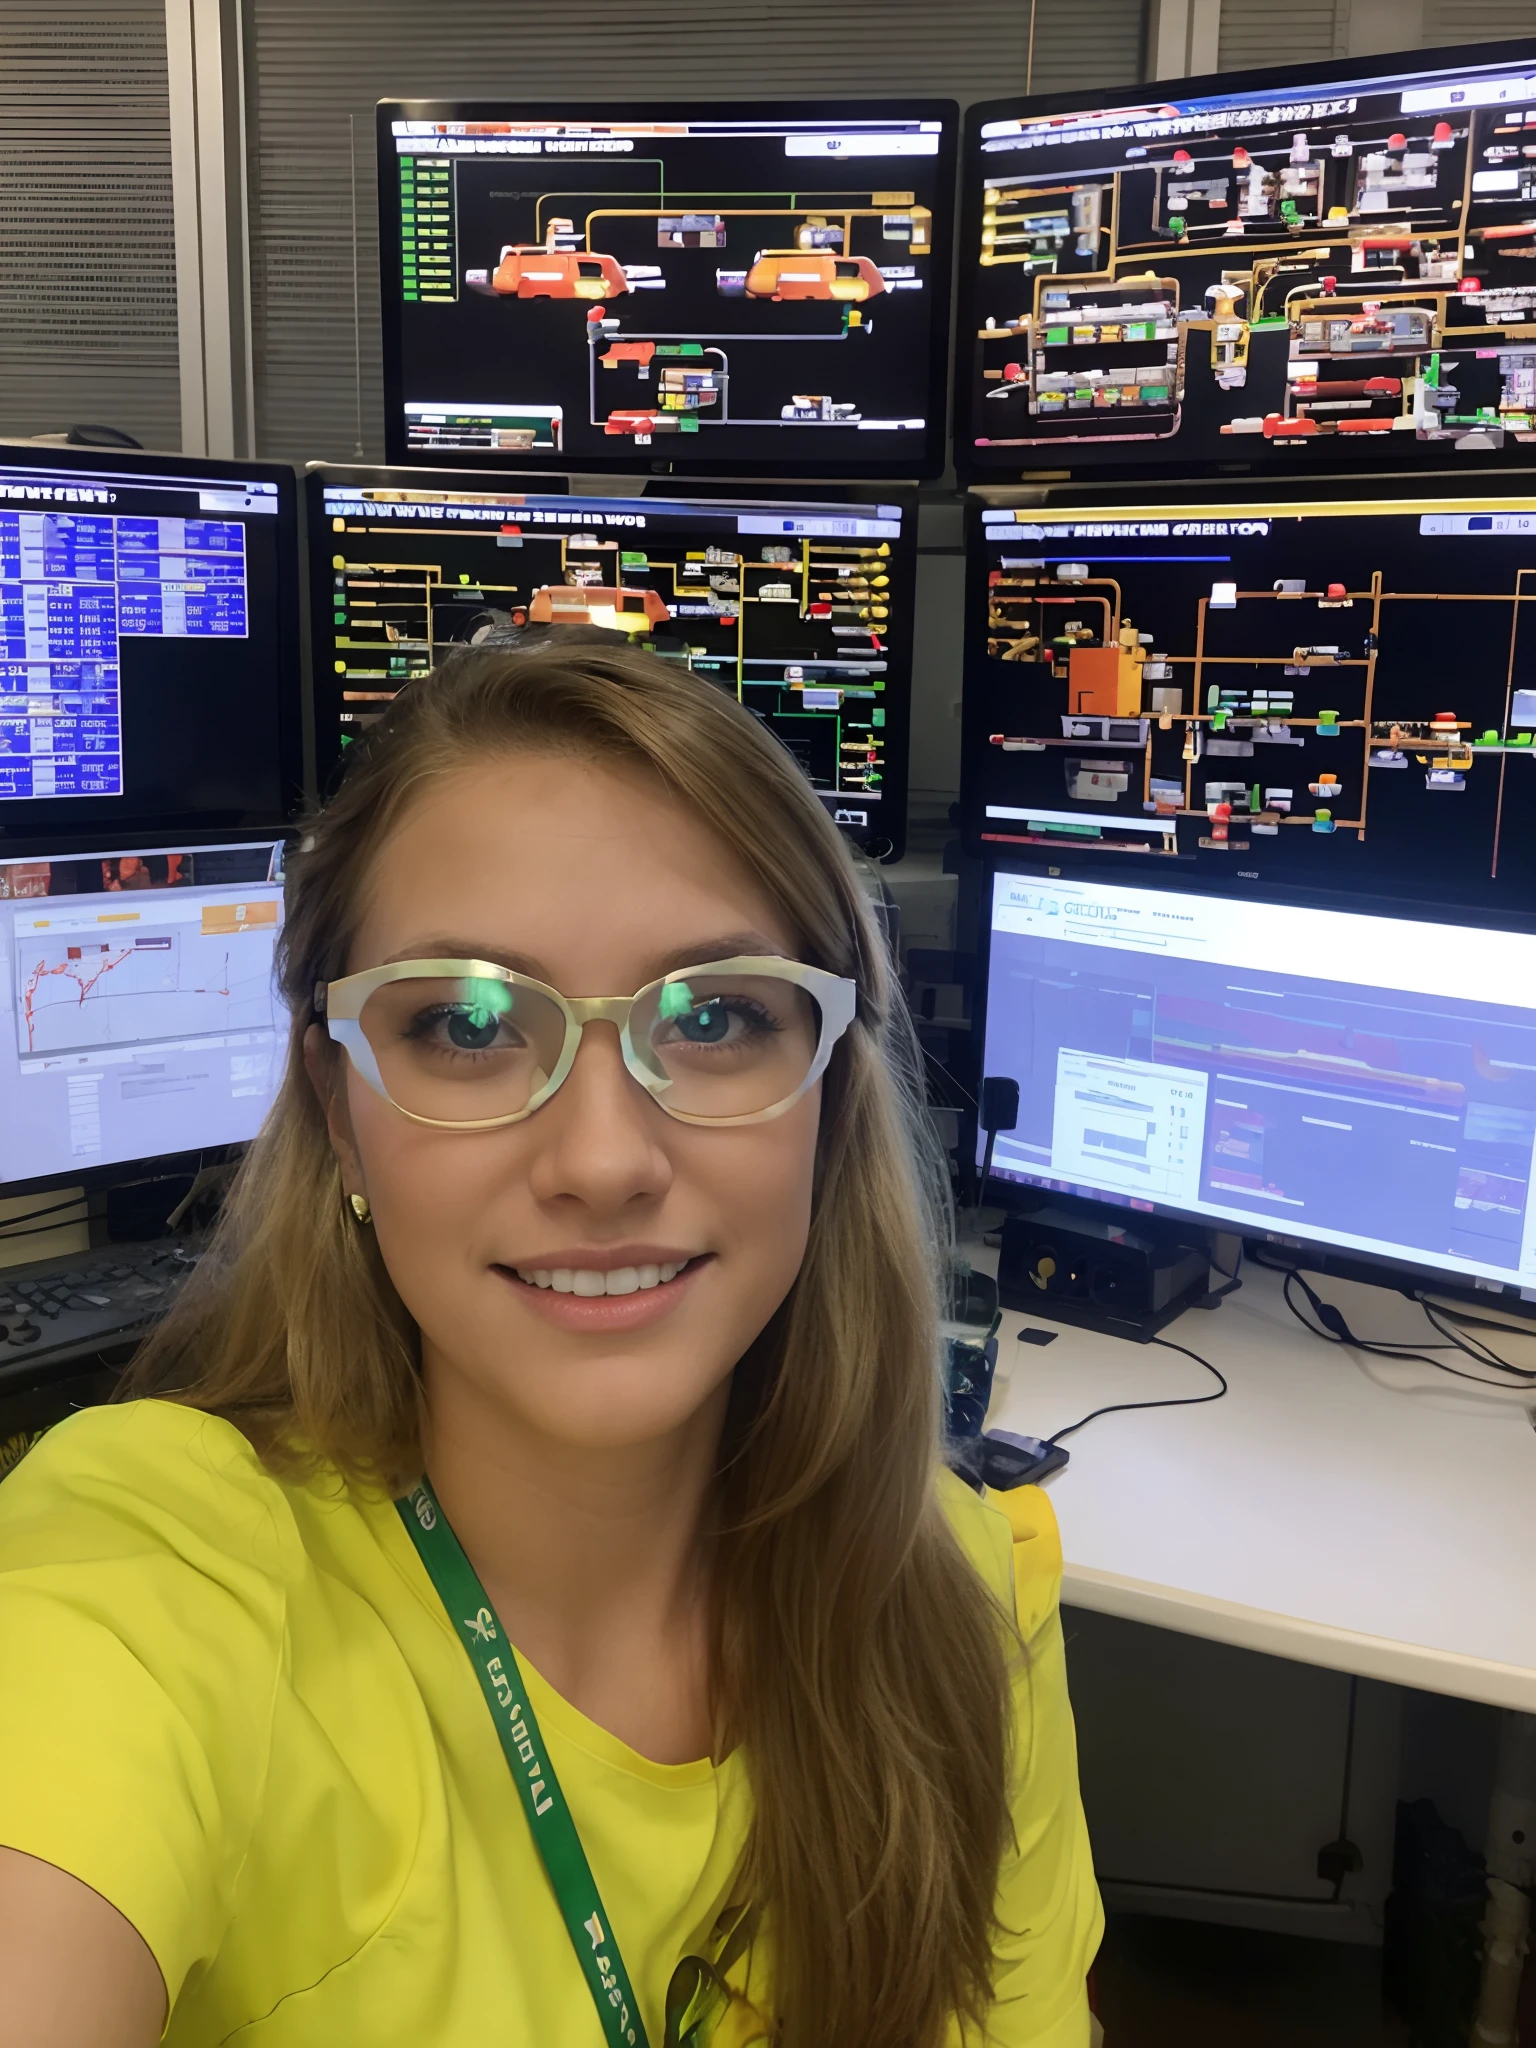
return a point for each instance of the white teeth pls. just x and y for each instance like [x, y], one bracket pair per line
[587, 1281]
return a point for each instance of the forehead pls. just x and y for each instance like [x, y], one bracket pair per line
[590, 871]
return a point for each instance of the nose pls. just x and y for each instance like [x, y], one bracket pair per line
[599, 1140]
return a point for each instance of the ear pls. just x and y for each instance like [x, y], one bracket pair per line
[323, 1063]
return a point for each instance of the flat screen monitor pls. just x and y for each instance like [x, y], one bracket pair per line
[138, 1016]
[1325, 694]
[149, 644]
[1309, 267]
[801, 607]
[1326, 1077]
[756, 289]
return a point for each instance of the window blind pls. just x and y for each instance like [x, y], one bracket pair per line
[314, 74]
[87, 245]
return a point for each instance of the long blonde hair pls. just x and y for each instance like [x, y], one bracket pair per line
[859, 1660]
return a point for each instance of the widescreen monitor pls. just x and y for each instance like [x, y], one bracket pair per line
[801, 607]
[1324, 1077]
[138, 1015]
[149, 644]
[1328, 265]
[1288, 691]
[755, 289]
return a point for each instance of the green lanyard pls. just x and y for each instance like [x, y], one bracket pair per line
[549, 1818]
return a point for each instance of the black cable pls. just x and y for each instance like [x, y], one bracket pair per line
[1335, 1330]
[28, 1215]
[1463, 1315]
[40, 1230]
[1474, 1347]
[1347, 1786]
[1179, 1401]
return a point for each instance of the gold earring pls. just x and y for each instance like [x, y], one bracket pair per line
[360, 1208]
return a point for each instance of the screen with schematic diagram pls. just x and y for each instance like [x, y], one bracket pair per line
[1333, 266]
[801, 608]
[695, 287]
[1336, 695]
[1320, 1076]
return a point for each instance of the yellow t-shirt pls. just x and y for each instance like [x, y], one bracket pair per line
[235, 1708]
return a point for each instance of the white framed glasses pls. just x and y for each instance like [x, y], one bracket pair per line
[466, 1045]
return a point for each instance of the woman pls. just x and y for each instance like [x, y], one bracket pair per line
[680, 1700]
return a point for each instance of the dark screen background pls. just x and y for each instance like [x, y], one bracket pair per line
[1421, 846]
[1133, 173]
[211, 728]
[484, 349]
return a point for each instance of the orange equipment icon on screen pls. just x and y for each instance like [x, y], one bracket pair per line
[813, 274]
[531, 272]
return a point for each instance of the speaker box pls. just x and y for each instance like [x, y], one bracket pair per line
[1101, 1272]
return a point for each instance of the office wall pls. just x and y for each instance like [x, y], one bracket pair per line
[1255, 32]
[314, 73]
[86, 246]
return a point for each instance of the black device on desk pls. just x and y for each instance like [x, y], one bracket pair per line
[139, 1023]
[1127, 1275]
[56, 1312]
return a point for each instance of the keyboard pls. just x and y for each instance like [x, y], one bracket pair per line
[58, 1310]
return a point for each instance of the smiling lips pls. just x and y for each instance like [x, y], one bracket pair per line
[608, 1298]
[589, 1281]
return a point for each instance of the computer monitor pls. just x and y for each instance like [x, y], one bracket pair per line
[149, 644]
[138, 1016]
[1324, 1077]
[801, 606]
[1332, 694]
[703, 287]
[1320, 266]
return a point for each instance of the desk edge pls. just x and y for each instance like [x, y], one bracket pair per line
[1305, 1642]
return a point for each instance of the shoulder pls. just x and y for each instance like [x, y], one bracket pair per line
[143, 1479]
[1013, 1541]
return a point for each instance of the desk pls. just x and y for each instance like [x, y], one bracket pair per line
[1374, 1518]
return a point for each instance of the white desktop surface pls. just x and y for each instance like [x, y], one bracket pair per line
[1372, 1517]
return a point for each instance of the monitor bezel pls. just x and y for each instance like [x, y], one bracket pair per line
[289, 681]
[934, 454]
[884, 846]
[1314, 1254]
[1278, 77]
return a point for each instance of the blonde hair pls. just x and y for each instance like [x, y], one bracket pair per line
[859, 1659]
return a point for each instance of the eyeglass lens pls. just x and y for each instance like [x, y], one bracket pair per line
[469, 1049]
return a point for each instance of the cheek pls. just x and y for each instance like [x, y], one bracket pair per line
[426, 1188]
[756, 1186]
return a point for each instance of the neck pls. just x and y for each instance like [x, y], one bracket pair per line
[595, 1560]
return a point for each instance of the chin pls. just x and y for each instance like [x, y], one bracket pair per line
[612, 1403]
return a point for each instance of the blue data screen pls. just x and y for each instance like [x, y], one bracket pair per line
[1357, 1081]
[72, 587]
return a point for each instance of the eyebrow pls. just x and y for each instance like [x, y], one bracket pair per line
[724, 946]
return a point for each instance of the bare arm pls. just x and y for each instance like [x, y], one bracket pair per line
[76, 1974]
